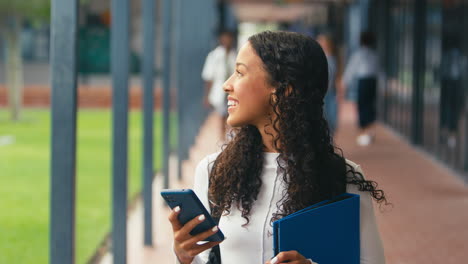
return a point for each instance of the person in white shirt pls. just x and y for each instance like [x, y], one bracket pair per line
[281, 158]
[363, 67]
[219, 65]
[452, 94]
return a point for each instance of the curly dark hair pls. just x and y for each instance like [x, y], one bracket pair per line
[313, 168]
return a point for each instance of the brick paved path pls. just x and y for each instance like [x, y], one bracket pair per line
[429, 219]
[428, 222]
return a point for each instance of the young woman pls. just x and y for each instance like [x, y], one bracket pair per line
[281, 158]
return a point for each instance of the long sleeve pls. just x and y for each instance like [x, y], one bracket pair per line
[200, 187]
[372, 251]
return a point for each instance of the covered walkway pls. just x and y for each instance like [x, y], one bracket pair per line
[427, 222]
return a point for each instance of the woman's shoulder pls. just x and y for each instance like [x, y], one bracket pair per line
[354, 165]
[211, 157]
[353, 188]
[356, 168]
[208, 160]
[202, 172]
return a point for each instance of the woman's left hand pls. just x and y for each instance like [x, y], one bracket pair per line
[290, 257]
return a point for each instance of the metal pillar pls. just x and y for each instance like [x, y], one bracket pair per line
[385, 16]
[180, 42]
[167, 39]
[193, 75]
[63, 153]
[148, 120]
[190, 58]
[419, 58]
[120, 56]
[221, 8]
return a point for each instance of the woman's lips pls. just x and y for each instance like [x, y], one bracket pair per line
[232, 103]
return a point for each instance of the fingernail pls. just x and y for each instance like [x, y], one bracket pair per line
[273, 261]
[214, 229]
[177, 209]
[201, 217]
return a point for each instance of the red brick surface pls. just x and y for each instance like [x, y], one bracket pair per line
[428, 222]
[88, 96]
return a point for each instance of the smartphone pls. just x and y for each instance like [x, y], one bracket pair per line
[191, 207]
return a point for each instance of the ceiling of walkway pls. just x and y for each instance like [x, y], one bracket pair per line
[280, 10]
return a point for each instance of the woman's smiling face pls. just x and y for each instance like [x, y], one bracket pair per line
[248, 91]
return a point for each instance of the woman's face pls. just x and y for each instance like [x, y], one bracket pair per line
[248, 91]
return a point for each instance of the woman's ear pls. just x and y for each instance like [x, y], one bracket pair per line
[273, 96]
[288, 91]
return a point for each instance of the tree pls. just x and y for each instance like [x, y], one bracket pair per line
[12, 14]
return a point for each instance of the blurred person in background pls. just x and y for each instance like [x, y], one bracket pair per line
[280, 159]
[330, 100]
[363, 67]
[452, 95]
[219, 65]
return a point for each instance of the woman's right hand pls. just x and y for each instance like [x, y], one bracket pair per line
[186, 246]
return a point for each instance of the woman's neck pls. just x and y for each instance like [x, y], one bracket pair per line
[268, 135]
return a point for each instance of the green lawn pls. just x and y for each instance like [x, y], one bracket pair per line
[25, 181]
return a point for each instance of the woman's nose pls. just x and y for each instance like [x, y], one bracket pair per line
[227, 86]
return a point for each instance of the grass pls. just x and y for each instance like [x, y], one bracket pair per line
[25, 182]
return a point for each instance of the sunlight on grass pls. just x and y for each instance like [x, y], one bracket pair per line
[25, 174]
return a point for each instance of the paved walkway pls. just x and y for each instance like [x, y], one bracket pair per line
[428, 222]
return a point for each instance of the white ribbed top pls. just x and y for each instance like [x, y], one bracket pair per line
[253, 243]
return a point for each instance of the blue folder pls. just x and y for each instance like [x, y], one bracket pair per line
[326, 232]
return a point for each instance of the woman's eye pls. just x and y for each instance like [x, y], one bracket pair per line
[238, 73]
